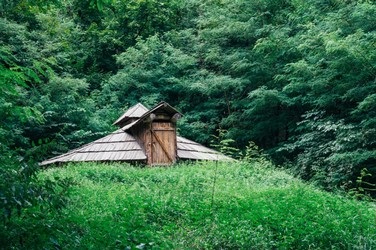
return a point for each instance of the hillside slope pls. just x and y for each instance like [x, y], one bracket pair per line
[252, 206]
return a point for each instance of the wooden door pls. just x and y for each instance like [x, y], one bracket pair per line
[163, 143]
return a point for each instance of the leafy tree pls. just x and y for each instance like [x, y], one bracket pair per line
[23, 197]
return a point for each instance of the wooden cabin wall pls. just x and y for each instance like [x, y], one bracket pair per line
[163, 136]
[142, 134]
[158, 139]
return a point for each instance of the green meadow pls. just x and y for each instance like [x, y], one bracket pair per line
[198, 206]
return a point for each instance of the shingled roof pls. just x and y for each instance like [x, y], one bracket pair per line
[167, 107]
[117, 146]
[133, 113]
[191, 150]
[122, 145]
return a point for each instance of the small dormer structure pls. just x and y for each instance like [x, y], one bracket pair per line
[131, 115]
[144, 136]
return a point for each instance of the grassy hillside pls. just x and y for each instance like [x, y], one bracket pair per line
[115, 206]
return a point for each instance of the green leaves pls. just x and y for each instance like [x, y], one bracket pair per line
[26, 201]
[99, 4]
[258, 69]
[264, 70]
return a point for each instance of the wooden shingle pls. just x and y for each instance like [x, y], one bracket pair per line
[131, 114]
[117, 146]
[191, 150]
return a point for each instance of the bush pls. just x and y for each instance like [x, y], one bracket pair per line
[26, 202]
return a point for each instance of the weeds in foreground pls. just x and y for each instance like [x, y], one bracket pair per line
[255, 207]
[364, 189]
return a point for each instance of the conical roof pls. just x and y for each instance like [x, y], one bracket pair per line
[133, 112]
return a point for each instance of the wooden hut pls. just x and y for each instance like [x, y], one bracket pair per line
[145, 136]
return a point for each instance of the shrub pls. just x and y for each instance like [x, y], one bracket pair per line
[25, 203]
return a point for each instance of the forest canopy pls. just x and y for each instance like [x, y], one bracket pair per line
[297, 78]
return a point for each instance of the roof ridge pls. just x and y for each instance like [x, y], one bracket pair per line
[159, 105]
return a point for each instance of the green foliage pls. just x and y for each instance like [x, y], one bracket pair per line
[99, 4]
[19, 71]
[329, 152]
[364, 188]
[254, 154]
[295, 77]
[25, 200]
[224, 145]
[255, 206]
[25, 203]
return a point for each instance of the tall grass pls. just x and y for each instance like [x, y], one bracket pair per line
[116, 206]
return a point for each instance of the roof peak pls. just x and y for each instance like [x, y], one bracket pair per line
[134, 112]
[162, 105]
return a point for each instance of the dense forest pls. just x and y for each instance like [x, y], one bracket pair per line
[296, 78]
[291, 82]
